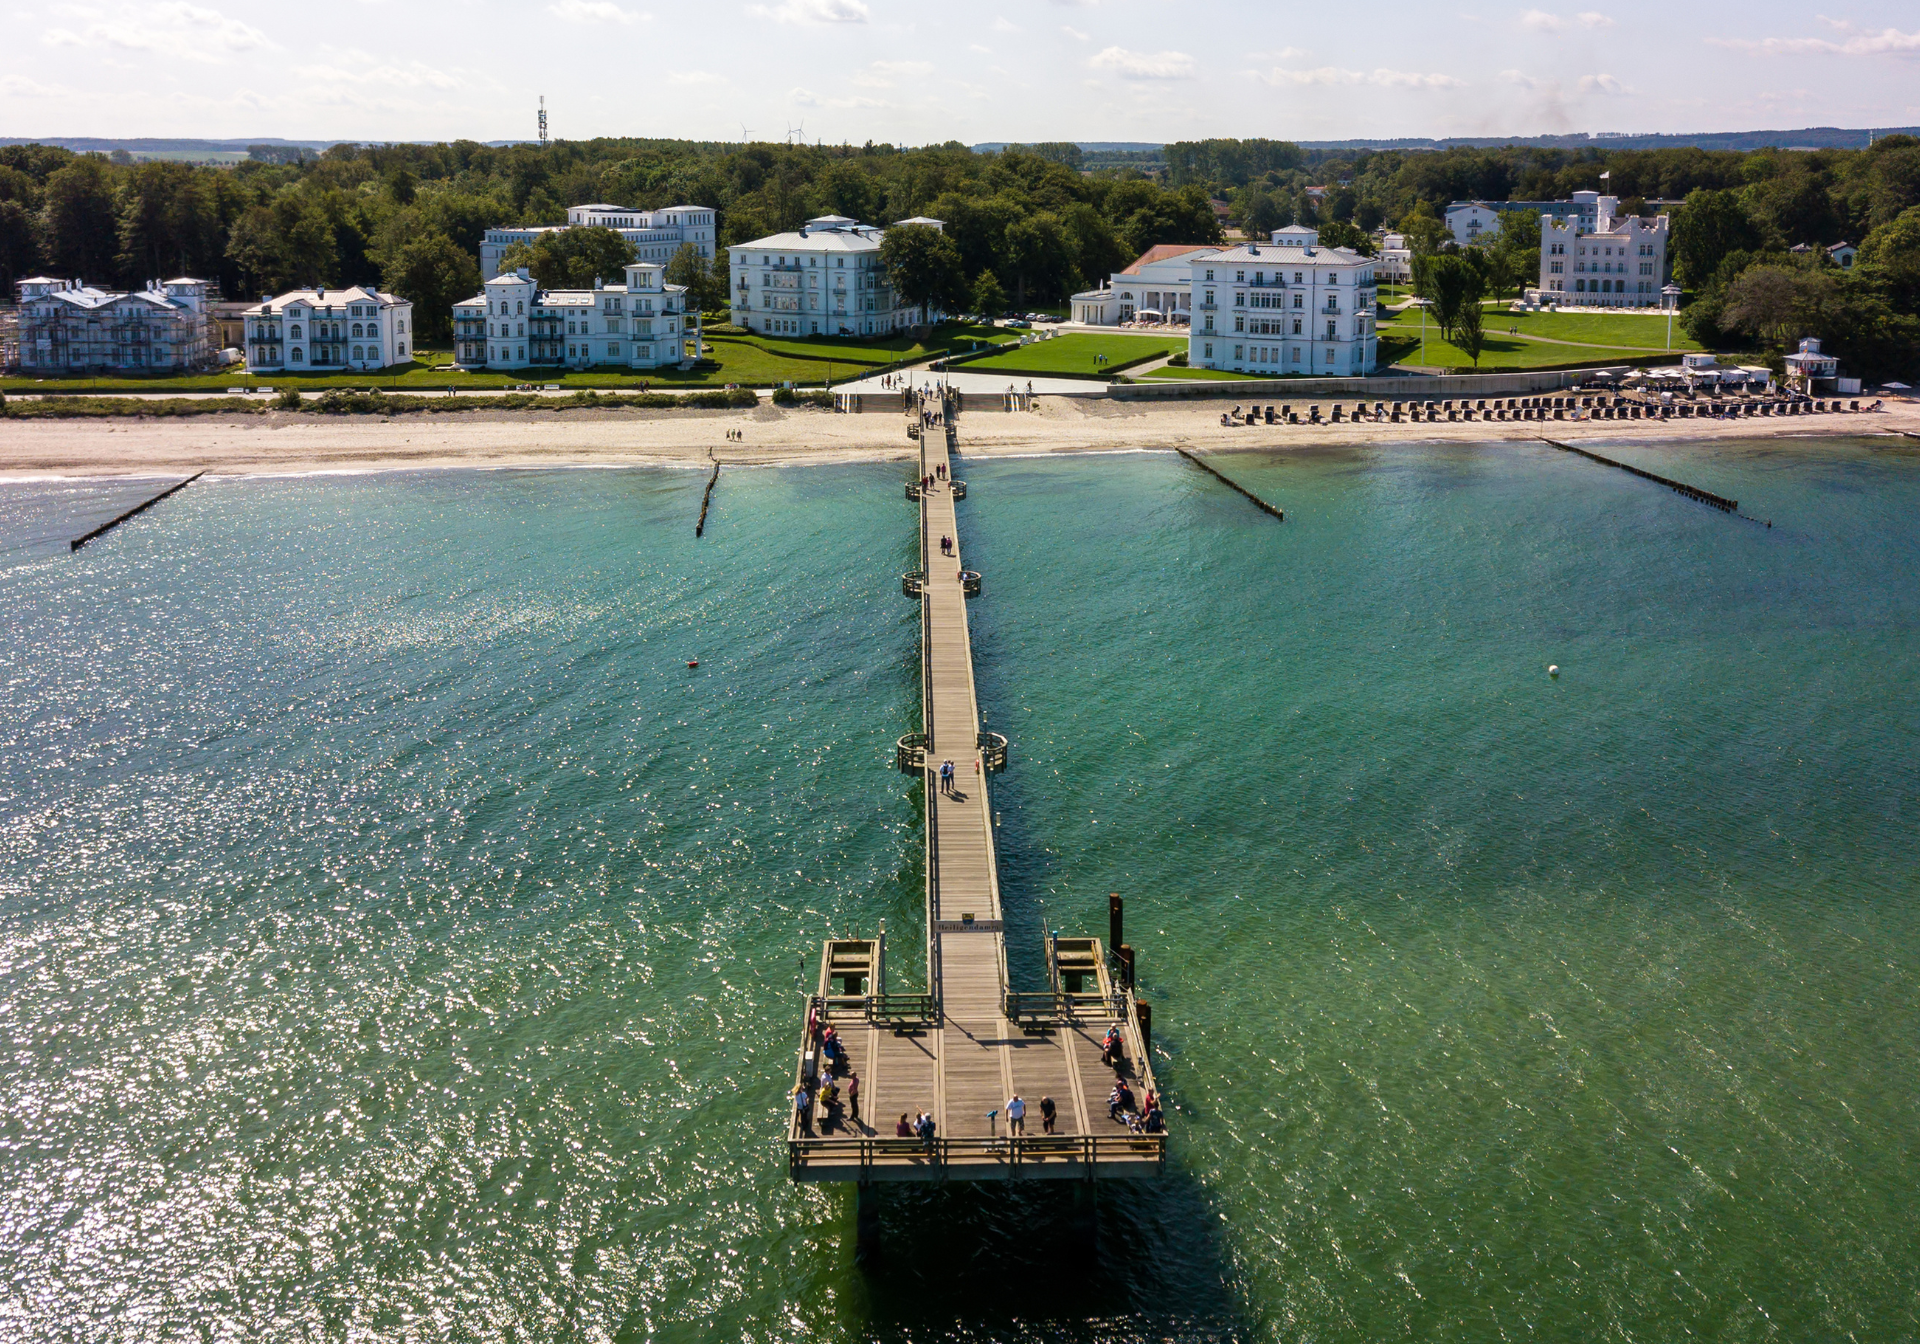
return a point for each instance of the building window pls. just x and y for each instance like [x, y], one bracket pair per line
[1209, 350]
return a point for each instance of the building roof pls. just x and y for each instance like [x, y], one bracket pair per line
[327, 298]
[572, 298]
[864, 239]
[1165, 252]
[1273, 254]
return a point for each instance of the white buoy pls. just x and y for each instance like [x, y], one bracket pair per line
[1553, 669]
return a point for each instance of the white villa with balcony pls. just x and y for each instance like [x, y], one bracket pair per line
[1289, 306]
[823, 279]
[655, 234]
[515, 324]
[1616, 263]
[328, 330]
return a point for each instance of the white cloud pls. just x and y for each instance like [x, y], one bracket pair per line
[689, 77]
[1603, 84]
[18, 86]
[1074, 33]
[594, 11]
[175, 29]
[807, 98]
[975, 46]
[814, 11]
[1002, 25]
[1525, 81]
[904, 69]
[413, 75]
[1385, 79]
[1540, 21]
[1141, 65]
[1858, 42]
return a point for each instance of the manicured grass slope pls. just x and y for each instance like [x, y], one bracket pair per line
[1076, 353]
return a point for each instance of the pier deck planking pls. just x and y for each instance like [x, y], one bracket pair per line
[964, 1068]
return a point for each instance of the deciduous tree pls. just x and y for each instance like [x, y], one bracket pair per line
[78, 221]
[923, 265]
[435, 273]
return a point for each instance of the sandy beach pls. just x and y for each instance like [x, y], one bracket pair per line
[285, 443]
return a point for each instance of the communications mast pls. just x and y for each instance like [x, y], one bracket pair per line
[543, 121]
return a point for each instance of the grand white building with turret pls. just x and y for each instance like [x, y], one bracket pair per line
[1614, 262]
[1288, 306]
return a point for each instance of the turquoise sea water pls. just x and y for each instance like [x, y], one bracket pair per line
[399, 942]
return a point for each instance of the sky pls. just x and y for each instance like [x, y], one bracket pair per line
[914, 72]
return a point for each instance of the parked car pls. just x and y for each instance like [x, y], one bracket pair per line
[1019, 323]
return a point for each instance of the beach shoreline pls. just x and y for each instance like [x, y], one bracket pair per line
[295, 444]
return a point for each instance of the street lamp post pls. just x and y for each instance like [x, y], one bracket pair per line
[1423, 305]
[1671, 294]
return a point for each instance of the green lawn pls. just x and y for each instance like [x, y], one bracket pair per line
[1076, 352]
[750, 359]
[1400, 344]
[1642, 331]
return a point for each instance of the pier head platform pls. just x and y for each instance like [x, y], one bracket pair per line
[960, 1049]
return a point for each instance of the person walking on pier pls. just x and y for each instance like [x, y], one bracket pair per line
[903, 1130]
[1016, 1115]
[1047, 1113]
[853, 1097]
[803, 1107]
[946, 777]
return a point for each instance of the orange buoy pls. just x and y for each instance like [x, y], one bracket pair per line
[693, 662]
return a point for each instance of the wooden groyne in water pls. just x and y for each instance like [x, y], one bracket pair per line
[107, 527]
[706, 501]
[1693, 492]
[1232, 484]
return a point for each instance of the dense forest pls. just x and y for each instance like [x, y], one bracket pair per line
[1032, 222]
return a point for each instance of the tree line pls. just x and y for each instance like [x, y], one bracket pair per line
[409, 218]
[1027, 225]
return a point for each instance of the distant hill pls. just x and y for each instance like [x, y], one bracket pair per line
[1811, 137]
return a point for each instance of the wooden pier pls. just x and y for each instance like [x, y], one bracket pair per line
[970, 1041]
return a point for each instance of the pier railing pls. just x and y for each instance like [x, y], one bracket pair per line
[1024, 1007]
[1012, 1151]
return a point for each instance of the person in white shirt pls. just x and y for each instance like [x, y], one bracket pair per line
[1016, 1115]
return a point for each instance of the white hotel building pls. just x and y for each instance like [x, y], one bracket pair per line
[309, 330]
[1289, 306]
[825, 279]
[655, 234]
[514, 324]
[1617, 263]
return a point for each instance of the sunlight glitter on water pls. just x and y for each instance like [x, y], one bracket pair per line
[398, 940]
